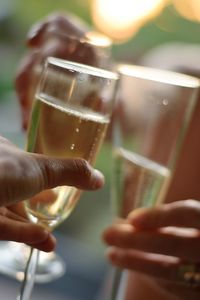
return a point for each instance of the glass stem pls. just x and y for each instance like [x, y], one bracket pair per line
[29, 275]
[115, 283]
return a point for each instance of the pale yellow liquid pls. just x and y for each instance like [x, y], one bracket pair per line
[137, 182]
[65, 132]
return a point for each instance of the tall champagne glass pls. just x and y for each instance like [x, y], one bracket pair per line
[152, 113]
[93, 49]
[70, 116]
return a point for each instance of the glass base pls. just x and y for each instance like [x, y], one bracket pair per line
[13, 259]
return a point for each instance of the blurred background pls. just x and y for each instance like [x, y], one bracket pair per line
[161, 33]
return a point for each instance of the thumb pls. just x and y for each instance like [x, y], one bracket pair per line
[24, 174]
[72, 172]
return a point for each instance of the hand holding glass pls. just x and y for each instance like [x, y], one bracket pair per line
[70, 115]
[152, 113]
[93, 49]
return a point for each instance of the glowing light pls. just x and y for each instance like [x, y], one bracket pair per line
[121, 19]
[189, 9]
[98, 39]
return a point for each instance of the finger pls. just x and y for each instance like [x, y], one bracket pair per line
[47, 246]
[19, 210]
[24, 76]
[35, 35]
[180, 213]
[161, 267]
[119, 233]
[72, 172]
[6, 212]
[25, 84]
[184, 245]
[23, 232]
[57, 22]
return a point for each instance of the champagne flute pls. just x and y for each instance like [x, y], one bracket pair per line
[152, 114]
[93, 49]
[70, 116]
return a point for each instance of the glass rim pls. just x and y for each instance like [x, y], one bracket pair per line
[82, 68]
[159, 75]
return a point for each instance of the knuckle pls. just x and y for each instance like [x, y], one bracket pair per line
[43, 169]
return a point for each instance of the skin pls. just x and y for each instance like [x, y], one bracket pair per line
[25, 174]
[156, 242]
[149, 230]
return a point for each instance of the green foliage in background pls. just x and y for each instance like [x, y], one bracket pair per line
[36, 10]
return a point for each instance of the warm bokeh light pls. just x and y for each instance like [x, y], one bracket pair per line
[189, 9]
[121, 19]
[98, 39]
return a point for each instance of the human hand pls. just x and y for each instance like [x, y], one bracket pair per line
[14, 226]
[163, 243]
[58, 35]
[25, 174]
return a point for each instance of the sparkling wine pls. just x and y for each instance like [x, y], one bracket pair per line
[60, 130]
[137, 182]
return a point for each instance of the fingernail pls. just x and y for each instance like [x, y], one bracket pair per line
[98, 179]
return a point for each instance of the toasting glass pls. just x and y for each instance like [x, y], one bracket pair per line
[70, 116]
[153, 110]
